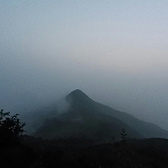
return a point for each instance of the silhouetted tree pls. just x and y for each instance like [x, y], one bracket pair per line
[10, 128]
[123, 136]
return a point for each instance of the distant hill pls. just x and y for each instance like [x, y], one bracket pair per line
[88, 119]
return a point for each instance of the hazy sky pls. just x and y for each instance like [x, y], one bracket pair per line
[116, 51]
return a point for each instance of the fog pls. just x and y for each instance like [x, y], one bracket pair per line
[115, 52]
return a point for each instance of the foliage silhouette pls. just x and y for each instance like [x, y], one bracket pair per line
[123, 136]
[10, 128]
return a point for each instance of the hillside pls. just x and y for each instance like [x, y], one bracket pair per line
[88, 119]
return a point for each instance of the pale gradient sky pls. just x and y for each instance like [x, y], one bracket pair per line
[114, 50]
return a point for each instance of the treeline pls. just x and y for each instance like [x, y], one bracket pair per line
[23, 151]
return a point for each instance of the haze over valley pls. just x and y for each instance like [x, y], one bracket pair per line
[116, 52]
[83, 84]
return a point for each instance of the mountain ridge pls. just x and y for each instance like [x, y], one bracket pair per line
[85, 117]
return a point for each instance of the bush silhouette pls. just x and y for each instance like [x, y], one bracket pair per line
[10, 128]
[123, 136]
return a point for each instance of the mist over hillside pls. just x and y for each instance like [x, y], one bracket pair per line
[114, 51]
[85, 118]
[78, 73]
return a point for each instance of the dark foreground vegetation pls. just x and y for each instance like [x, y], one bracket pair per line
[37, 153]
[18, 151]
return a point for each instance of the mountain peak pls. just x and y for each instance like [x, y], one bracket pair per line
[77, 92]
[78, 95]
